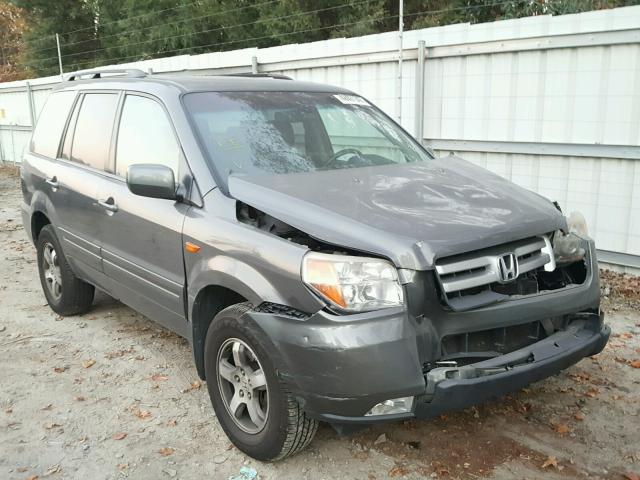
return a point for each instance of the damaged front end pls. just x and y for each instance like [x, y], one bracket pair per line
[457, 387]
[476, 326]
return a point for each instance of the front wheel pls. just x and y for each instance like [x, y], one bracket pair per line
[253, 407]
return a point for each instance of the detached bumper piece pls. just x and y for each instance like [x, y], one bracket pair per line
[456, 388]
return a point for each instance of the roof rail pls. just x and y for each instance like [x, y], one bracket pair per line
[126, 72]
[266, 75]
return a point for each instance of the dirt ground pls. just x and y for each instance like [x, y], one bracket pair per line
[112, 395]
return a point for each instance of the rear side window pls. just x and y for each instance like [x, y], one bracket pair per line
[92, 135]
[145, 136]
[46, 136]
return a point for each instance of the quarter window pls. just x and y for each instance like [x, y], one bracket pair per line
[145, 136]
[46, 136]
[92, 135]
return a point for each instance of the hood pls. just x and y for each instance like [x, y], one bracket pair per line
[410, 213]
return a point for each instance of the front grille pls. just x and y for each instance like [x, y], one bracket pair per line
[467, 279]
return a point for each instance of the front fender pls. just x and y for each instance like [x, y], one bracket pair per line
[258, 265]
[227, 272]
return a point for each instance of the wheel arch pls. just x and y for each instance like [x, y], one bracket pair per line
[209, 301]
[39, 220]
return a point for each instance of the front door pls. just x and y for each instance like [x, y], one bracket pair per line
[142, 237]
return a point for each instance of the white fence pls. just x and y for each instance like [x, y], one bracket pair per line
[552, 103]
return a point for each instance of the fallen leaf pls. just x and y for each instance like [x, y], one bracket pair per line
[398, 471]
[51, 470]
[579, 416]
[88, 363]
[166, 451]
[79, 398]
[33, 477]
[591, 393]
[60, 369]
[48, 406]
[119, 436]
[635, 364]
[49, 426]
[123, 466]
[139, 413]
[562, 428]
[631, 476]
[159, 378]
[551, 461]
[172, 423]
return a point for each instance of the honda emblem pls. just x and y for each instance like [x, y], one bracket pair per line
[508, 267]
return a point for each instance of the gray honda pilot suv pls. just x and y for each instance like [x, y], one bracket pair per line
[323, 265]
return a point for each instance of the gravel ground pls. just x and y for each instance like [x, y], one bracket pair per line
[110, 394]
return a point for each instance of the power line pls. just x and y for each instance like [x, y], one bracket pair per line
[215, 14]
[231, 10]
[129, 19]
[388, 17]
[180, 35]
[135, 17]
[271, 19]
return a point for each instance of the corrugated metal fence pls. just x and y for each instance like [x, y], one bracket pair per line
[552, 103]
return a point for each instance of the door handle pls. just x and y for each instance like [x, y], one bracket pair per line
[53, 182]
[108, 204]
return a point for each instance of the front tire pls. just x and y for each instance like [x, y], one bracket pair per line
[66, 294]
[267, 422]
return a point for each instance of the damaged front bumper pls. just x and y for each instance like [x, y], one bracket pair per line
[450, 389]
[454, 388]
[340, 367]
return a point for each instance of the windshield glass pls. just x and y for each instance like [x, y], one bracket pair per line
[291, 132]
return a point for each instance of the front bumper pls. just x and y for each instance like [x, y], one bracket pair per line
[339, 367]
[451, 389]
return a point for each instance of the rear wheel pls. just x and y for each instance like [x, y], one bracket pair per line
[66, 294]
[254, 408]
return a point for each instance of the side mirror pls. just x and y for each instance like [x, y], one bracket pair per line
[154, 181]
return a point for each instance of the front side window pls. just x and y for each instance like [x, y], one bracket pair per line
[92, 136]
[289, 132]
[145, 135]
[46, 136]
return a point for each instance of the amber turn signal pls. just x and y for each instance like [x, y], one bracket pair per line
[191, 247]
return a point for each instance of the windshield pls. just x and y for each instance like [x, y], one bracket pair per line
[292, 132]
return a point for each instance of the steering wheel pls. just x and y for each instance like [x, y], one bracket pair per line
[342, 152]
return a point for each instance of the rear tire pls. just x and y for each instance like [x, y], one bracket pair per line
[66, 294]
[284, 428]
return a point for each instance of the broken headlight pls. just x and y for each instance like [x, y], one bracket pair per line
[354, 284]
[570, 247]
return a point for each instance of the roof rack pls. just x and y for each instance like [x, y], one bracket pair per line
[265, 75]
[126, 72]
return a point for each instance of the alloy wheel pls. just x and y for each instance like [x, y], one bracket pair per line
[51, 270]
[243, 385]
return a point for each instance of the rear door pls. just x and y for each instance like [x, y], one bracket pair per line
[75, 184]
[142, 237]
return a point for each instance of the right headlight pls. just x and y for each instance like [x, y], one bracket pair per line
[353, 284]
[570, 247]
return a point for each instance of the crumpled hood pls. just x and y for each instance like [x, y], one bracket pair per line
[410, 213]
